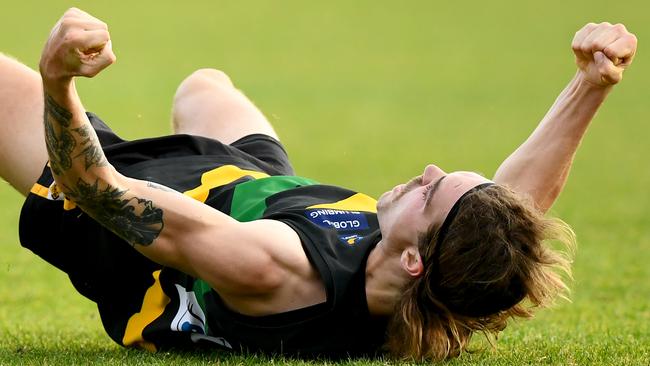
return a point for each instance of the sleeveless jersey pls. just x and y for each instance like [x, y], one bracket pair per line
[143, 304]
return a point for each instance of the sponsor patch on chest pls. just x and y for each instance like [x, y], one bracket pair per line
[338, 219]
[350, 239]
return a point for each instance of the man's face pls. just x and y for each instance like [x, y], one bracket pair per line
[410, 209]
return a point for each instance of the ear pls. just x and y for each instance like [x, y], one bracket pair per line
[412, 262]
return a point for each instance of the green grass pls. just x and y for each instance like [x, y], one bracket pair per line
[364, 94]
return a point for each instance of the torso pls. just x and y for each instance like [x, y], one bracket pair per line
[320, 309]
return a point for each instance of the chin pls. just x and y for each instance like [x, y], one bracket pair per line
[383, 200]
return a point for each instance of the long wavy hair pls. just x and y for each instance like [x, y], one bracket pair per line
[494, 263]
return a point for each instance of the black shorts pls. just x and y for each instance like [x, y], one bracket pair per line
[261, 151]
[72, 241]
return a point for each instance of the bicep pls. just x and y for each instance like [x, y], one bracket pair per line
[179, 232]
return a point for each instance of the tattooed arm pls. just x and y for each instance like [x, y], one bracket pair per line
[166, 226]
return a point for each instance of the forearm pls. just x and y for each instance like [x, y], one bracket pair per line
[134, 209]
[130, 208]
[83, 174]
[72, 145]
[540, 166]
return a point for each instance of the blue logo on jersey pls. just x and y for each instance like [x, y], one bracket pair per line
[338, 219]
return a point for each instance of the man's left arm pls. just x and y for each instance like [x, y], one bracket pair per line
[253, 265]
[541, 165]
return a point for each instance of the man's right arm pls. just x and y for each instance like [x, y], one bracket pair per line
[540, 166]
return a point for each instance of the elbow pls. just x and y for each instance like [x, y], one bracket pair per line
[264, 277]
[90, 185]
[545, 202]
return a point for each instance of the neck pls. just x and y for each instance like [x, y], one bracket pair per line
[385, 279]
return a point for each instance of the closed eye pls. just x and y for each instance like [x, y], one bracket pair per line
[425, 194]
[431, 190]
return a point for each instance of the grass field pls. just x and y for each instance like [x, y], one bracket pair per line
[364, 94]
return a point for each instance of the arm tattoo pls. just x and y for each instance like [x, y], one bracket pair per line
[60, 114]
[61, 144]
[92, 150]
[134, 219]
[159, 187]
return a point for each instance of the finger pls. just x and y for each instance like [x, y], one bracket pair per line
[580, 37]
[587, 43]
[78, 13]
[74, 11]
[105, 53]
[623, 48]
[609, 73]
[95, 64]
[84, 23]
[108, 52]
[89, 24]
[92, 41]
[601, 39]
[583, 33]
[77, 16]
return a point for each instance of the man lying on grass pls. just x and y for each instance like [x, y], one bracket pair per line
[207, 237]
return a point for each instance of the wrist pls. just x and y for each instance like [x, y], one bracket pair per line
[58, 88]
[582, 95]
[57, 85]
[583, 82]
[64, 93]
[53, 80]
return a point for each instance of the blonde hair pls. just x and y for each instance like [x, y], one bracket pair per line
[494, 263]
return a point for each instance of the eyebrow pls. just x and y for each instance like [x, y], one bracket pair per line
[433, 190]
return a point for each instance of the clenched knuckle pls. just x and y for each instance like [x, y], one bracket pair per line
[632, 38]
[598, 46]
[608, 51]
[586, 28]
[67, 23]
[72, 37]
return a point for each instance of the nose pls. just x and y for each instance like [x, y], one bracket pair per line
[431, 173]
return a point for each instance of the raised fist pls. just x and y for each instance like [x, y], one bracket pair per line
[79, 45]
[603, 51]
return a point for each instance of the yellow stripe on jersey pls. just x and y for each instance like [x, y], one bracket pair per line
[40, 190]
[219, 177]
[68, 205]
[357, 202]
[155, 300]
[153, 306]
[52, 193]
